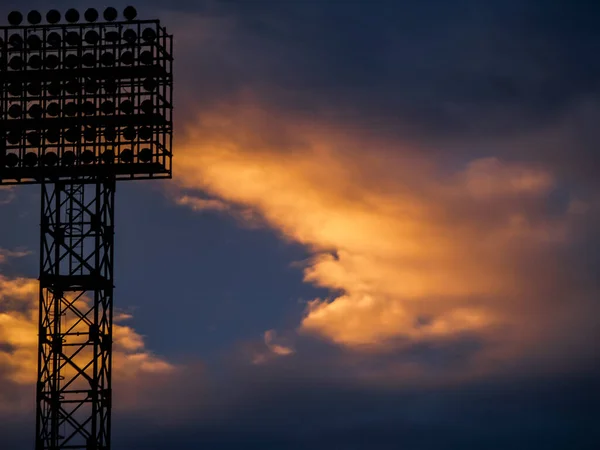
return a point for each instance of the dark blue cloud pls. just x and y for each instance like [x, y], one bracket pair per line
[298, 413]
[555, 413]
[463, 78]
[449, 68]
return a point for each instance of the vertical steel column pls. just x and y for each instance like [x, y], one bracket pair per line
[76, 314]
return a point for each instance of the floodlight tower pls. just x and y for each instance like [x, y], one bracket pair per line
[84, 103]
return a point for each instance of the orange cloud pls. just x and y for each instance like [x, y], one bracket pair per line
[275, 347]
[202, 204]
[5, 255]
[19, 329]
[7, 195]
[418, 250]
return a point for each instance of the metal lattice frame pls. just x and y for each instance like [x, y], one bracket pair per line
[82, 105]
[76, 309]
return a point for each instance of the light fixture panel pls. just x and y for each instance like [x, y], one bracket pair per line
[85, 100]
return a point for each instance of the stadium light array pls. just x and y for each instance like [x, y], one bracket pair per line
[83, 98]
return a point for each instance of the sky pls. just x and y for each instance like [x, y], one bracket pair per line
[381, 233]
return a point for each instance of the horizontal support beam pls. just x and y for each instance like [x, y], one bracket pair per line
[66, 283]
[121, 171]
[116, 121]
[118, 73]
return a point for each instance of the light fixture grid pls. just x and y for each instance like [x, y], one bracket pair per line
[129, 79]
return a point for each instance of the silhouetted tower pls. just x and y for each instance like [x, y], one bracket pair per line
[84, 104]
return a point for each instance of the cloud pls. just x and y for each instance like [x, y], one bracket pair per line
[289, 405]
[274, 347]
[202, 204]
[412, 250]
[7, 195]
[18, 343]
[6, 255]
[278, 349]
[437, 71]
[488, 178]
[436, 201]
[266, 409]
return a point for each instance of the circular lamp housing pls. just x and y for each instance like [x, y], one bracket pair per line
[34, 42]
[34, 17]
[15, 18]
[54, 88]
[145, 155]
[127, 58]
[70, 109]
[72, 15]
[110, 86]
[71, 61]
[89, 134]
[15, 111]
[53, 135]
[130, 36]
[73, 87]
[147, 106]
[91, 86]
[15, 88]
[35, 62]
[34, 138]
[34, 88]
[52, 61]
[53, 109]
[146, 57]
[88, 108]
[15, 41]
[91, 15]
[72, 134]
[92, 37]
[130, 13]
[11, 160]
[145, 133]
[16, 63]
[88, 60]
[53, 16]
[54, 39]
[107, 107]
[149, 84]
[129, 133]
[87, 157]
[14, 137]
[30, 159]
[107, 59]
[108, 156]
[35, 111]
[126, 156]
[126, 106]
[72, 38]
[68, 158]
[110, 14]
[49, 159]
[149, 34]
[110, 134]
